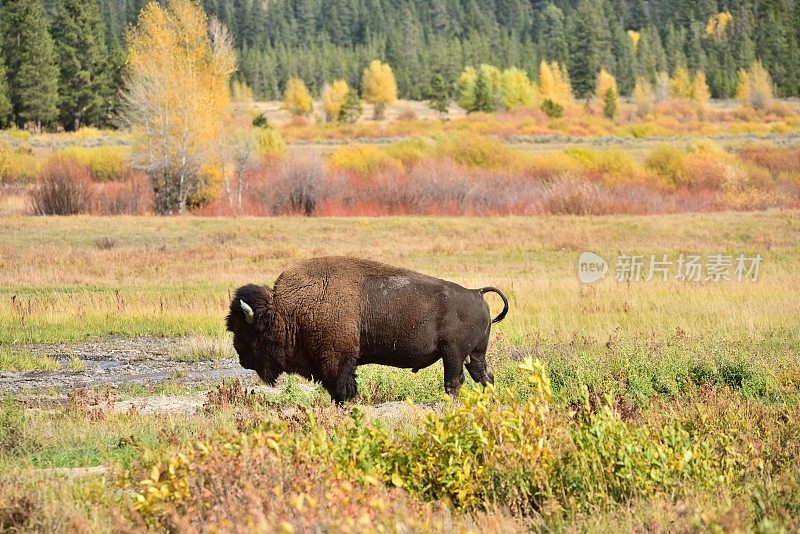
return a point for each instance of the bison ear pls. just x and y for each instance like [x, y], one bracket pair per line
[263, 320]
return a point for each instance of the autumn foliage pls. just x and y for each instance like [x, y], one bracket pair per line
[176, 97]
[379, 87]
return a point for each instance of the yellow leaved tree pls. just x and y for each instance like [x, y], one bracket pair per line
[516, 89]
[680, 85]
[379, 87]
[333, 98]
[643, 96]
[701, 94]
[296, 98]
[176, 98]
[554, 84]
[755, 87]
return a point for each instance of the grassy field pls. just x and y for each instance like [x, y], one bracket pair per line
[674, 403]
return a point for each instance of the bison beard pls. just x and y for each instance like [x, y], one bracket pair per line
[326, 316]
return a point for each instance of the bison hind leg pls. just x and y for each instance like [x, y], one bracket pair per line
[342, 387]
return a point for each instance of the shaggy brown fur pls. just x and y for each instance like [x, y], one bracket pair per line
[326, 316]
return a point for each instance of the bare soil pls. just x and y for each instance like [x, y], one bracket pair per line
[117, 361]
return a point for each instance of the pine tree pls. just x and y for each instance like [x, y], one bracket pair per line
[777, 44]
[610, 103]
[484, 96]
[352, 108]
[31, 63]
[79, 38]
[585, 61]
[625, 53]
[553, 37]
[439, 95]
[5, 101]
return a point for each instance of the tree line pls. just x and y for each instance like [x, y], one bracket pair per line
[62, 60]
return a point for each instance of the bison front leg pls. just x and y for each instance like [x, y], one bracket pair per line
[453, 369]
[339, 377]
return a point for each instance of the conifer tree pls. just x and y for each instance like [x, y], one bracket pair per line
[553, 37]
[80, 43]
[351, 109]
[30, 62]
[5, 101]
[484, 95]
[439, 95]
[585, 51]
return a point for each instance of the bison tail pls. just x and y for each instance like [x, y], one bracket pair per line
[505, 302]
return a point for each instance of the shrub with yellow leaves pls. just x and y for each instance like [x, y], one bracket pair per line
[333, 98]
[643, 96]
[296, 98]
[554, 84]
[516, 89]
[680, 85]
[379, 87]
[754, 88]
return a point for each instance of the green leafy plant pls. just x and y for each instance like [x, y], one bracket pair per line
[552, 109]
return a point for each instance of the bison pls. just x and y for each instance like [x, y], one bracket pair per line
[326, 316]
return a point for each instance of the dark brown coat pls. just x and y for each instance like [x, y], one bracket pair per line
[326, 316]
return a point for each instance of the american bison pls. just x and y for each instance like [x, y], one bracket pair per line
[326, 316]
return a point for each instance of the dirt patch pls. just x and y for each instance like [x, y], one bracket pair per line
[118, 361]
[148, 362]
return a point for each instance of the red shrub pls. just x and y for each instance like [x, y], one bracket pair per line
[775, 160]
[63, 187]
[705, 170]
[131, 197]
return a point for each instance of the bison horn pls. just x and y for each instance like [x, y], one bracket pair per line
[249, 316]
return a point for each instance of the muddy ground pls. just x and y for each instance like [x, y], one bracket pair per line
[118, 361]
[117, 364]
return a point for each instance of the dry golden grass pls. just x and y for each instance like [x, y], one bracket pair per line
[175, 276]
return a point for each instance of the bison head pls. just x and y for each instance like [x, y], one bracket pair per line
[250, 320]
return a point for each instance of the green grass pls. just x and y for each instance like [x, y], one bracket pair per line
[203, 349]
[17, 359]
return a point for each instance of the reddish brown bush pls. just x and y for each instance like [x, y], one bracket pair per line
[131, 197]
[63, 187]
[407, 114]
[295, 185]
[775, 160]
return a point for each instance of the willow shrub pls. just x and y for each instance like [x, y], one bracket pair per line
[488, 449]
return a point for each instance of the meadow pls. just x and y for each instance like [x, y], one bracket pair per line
[658, 405]
[648, 404]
